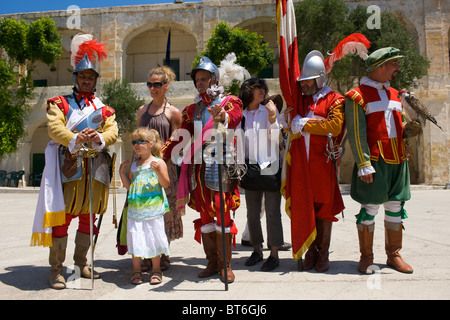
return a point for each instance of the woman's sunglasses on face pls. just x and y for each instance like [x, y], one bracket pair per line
[139, 141]
[156, 85]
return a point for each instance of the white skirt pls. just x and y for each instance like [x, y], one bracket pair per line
[147, 239]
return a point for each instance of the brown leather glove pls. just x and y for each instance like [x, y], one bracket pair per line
[411, 129]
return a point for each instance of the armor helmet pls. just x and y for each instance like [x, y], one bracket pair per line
[314, 68]
[84, 64]
[206, 64]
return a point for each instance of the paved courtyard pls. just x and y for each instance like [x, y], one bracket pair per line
[24, 269]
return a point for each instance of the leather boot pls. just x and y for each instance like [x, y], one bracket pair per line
[323, 244]
[393, 244]
[210, 247]
[221, 262]
[56, 258]
[310, 257]
[82, 246]
[365, 235]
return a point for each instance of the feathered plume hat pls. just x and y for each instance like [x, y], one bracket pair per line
[316, 67]
[83, 51]
[355, 43]
[232, 75]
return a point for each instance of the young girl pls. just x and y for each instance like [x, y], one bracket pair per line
[147, 203]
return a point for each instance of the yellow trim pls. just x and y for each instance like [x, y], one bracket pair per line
[294, 136]
[288, 158]
[297, 255]
[283, 188]
[384, 60]
[357, 138]
[395, 149]
[356, 94]
[41, 239]
[393, 142]
[365, 164]
[52, 219]
[287, 207]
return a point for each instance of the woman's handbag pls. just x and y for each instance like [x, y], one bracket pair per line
[256, 179]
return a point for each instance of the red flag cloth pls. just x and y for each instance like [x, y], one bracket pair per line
[295, 182]
[289, 67]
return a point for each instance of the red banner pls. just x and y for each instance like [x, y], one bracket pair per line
[299, 206]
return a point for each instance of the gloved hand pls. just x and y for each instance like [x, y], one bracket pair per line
[411, 129]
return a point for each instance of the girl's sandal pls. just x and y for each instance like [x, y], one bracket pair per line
[156, 277]
[136, 277]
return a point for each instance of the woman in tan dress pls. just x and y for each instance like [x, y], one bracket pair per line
[160, 115]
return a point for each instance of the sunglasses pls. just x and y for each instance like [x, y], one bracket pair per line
[156, 85]
[139, 141]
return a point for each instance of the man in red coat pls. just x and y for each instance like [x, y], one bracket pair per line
[198, 186]
[312, 214]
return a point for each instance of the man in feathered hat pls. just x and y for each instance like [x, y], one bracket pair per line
[199, 186]
[373, 113]
[317, 130]
[77, 123]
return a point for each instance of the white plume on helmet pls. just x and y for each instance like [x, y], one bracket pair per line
[77, 41]
[231, 73]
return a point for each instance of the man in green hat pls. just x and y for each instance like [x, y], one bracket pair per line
[373, 114]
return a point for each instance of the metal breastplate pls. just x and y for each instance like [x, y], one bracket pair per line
[101, 162]
[212, 159]
[210, 156]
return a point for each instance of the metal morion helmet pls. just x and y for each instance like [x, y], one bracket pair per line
[206, 64]
[85, 64]
[314, 68]
[83, 50]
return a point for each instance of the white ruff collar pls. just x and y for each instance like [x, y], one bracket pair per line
[375, 84]
[212, 92]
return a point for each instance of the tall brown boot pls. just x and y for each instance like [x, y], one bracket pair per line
[82, 245]
[210, 247]
[310, 257]
[393, 244]
[323, 244]
[56, 258]
[365, 235]
[221, 262]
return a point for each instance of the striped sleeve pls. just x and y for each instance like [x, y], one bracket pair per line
[356, 131]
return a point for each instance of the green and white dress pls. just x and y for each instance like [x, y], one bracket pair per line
[147, 204]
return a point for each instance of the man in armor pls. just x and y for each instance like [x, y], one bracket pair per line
[321, 114]
[199, 185]
[373, 113]
[80, 127]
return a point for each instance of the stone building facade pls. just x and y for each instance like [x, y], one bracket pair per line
[136, 39]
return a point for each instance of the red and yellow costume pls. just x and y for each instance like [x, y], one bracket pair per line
[193, 190]
[202, 199]
[75, 191]
[310, 187]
